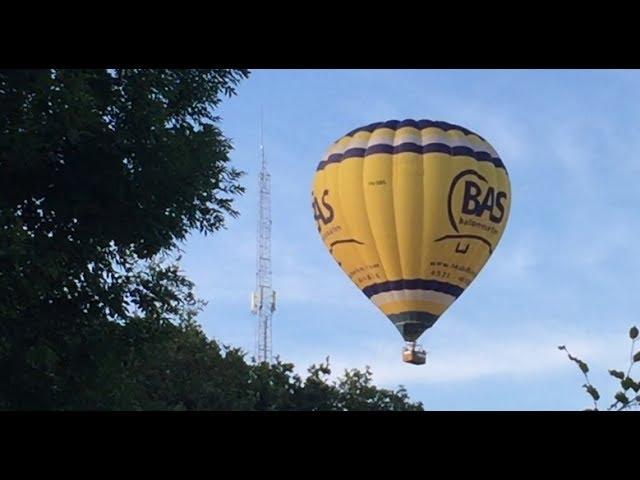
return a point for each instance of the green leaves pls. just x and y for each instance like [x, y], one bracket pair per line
[629, 383]
[103, 174]
[617, 373]
[583, 366]
[626, 381]
[591, 390]
[622, 398]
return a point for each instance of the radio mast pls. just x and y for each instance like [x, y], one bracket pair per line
[263, 299]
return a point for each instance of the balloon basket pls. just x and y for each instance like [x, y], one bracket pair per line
[414, 354]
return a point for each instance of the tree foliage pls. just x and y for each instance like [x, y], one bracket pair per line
[184, 370]
[103, 174]
[628, 397]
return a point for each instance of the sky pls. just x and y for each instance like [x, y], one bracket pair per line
[565, 272]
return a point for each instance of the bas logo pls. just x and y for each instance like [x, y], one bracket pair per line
[324, 215]
[472, 195]
[478, 198]
[318, 213]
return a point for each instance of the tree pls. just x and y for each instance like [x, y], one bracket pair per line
[103, 174]
[187, 371]
[627, 397]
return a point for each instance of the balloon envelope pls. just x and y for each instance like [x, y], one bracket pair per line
[411, 210]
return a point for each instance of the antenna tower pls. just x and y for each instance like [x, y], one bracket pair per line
[263, 299]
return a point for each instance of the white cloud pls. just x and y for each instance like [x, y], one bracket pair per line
[452, 361]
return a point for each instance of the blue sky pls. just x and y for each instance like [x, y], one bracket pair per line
[565, 272]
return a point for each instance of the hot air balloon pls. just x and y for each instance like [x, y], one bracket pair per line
[411, 211]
